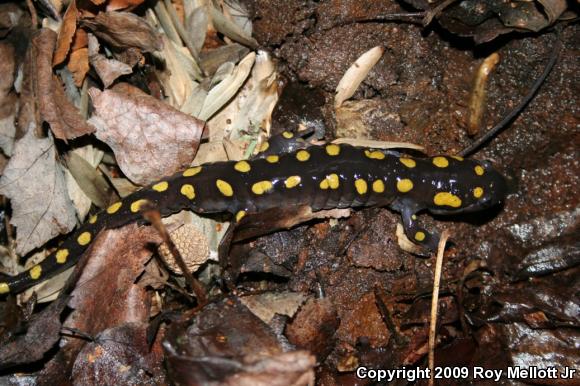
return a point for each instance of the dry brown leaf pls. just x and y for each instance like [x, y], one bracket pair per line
[150, 139]
[124, 30]
[43, 97]
[65, 36]
[34, 181]
[8, 99]
[115, 5]
[79, 65]
[265, 306]
[107, 69]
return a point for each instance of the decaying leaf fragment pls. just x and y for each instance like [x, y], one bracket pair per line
[150, 139]
[107, 69]
[66, 34]
[124, 30]
[34, 182]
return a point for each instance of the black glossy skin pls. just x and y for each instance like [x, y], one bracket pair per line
[375, 168]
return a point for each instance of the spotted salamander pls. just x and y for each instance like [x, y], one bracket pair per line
[322, 177]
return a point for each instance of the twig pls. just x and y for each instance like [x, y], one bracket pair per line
[429, 15]
[435, 303]
[33, 14]
[519, 108]
[154, 217]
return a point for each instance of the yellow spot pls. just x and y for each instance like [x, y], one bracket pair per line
[420, 236]
[479, 170]
[287, 134]
[114, 208]
[404, 185]
[440, 162]
[332, 149]
[61, 256]
[224, 188]
[191, 171]
[331, 181]
[361, 186]
[161, 186]
[240, 215]
[292, 181]
[262, 187]
[84, 238]
[375, 154]
[478, 192]
[188, 191]
[93, 219]
[35, 272]
[242, 166]
[302, 155]
[414, 217]
[272, 159]
[264, 146]
[136, 206]
[378, 186]
[458, 158]
[408, 162]
[4, 288]
[448, 199]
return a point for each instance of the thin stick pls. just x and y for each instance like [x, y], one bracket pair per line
[154, 217]
[435, 303]
[33, 16]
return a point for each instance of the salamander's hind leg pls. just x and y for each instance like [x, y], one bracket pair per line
[413, 230]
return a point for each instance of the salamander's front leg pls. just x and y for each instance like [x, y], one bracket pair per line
[413, 230]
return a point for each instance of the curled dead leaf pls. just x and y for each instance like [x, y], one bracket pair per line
[107, 69]
[124, 30]
[66, 33]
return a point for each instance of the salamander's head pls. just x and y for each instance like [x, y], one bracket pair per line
[468, 186]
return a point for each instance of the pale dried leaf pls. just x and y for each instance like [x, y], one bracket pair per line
[212, 59]
[239, 14]
[231, 29]
[265, 306]
[241, 120]
[196, 26]
[194, 101]
[150, 139]
[34, 181]
[82, 164]
[223, 92]
[356, 73]
[177, 77]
